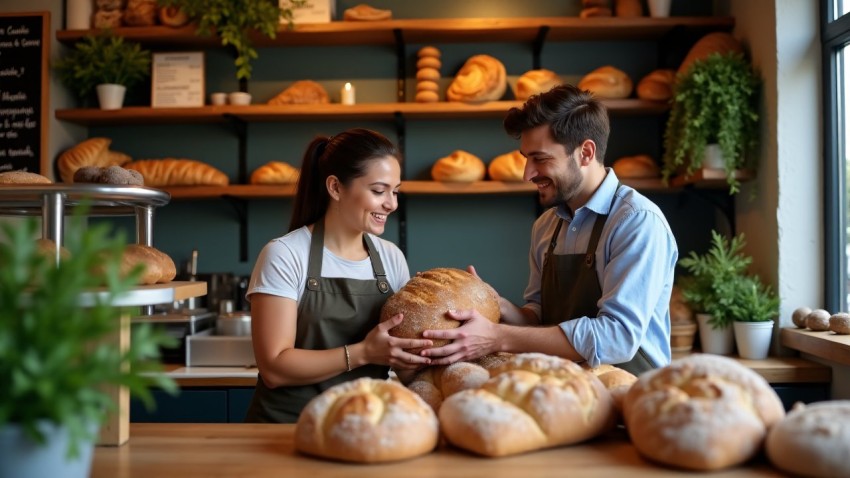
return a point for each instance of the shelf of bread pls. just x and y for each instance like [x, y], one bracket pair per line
[437, 30]
[364, 111]
[711, 178]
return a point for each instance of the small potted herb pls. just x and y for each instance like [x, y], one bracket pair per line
[754, 308]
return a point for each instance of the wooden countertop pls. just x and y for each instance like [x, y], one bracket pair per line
[826, 345]
[223, 450]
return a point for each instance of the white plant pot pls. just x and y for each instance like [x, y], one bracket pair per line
[78, 14]
[659, 8]
[111, 97]
[23, 458]
[713, 157]
[753, 339]
[715, 341]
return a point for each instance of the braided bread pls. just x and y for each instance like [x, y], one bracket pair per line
[533, 401]
[458, 167]
[178, 172]
[368, 421]
[481, 78]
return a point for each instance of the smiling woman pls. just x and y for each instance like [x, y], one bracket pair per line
[317, 292]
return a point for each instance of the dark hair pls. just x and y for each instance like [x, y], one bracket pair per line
[346, 156]
[573, 115]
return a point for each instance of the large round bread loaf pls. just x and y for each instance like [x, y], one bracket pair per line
[533, 401]
[426, 298]
[23, 177]
[715, 42]
[813, 440]
[702, 412]
[367, 421]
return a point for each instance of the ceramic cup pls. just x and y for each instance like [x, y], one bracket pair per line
[239, 98]
[218, 99]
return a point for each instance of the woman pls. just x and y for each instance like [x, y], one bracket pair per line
[317, 292]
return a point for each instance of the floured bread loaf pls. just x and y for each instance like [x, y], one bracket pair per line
[366, 13]
[533, 82]
[702, 412]
[507, 167]
[275, 172]
[426, 298]
[178, 172]
[607, 82]
[716, 42]
[458, 167]
[481, 78]
[657, 85]
[492, 361]
[23, 177]
[532, 401]
[159, 268]
[435, 384]
[636, 167]
[617, 381]
[813, 440]
[91, 152]
[302, 92]
[367, 421]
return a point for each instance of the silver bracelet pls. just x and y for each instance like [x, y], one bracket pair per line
[347, 359]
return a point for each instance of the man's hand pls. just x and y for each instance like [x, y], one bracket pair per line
[476, 337]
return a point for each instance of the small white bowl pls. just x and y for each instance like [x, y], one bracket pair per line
[239, 98]
[218, 99]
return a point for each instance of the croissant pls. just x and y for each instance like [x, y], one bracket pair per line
[275, 172]
[458, 167]
[91, 152]
[178, 172]
[481, 78]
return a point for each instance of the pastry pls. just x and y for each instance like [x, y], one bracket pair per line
[366, 13]
[427, 97]
[427, 74]
[178, 172]
[301, 92]
[716, 42]
[481, 78]
[429, 62]
[507, 167]
[91, 152]
[23, 177]
[533, 82]
[458, 167]
[641, 166]
[657, 85]
[607, 82]
[275, 172]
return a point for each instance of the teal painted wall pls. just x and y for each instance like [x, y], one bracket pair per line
[490, 232]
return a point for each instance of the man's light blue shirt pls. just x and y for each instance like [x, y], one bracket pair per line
[635, 263]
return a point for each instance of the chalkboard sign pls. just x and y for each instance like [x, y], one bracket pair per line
[24, 71]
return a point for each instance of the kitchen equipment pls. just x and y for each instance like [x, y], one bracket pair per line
[234, 324]
[207, 350]
[180, 325]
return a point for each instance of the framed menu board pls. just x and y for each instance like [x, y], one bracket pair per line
[24, 49]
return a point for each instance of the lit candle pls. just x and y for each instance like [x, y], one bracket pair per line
[347, 94]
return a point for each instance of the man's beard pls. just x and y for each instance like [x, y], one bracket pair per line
[565, 192]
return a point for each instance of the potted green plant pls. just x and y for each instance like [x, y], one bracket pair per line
[706, 289]
[234, 20]
[105, 63]
[56, 356]
[714, 109]
[753, 307]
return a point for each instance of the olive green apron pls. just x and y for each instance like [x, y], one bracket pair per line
[332, 312]
[570, 288]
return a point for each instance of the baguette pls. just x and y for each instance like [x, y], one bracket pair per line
[177, 172]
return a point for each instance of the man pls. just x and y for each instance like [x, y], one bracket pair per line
[602, 256]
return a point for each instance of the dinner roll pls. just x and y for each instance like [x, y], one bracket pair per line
[640, 166]
[507, 167]
[799, 316]
[818, 320]
[657, 85]
[840, 323]
[458, 167]
[813, 440]
[533, 82]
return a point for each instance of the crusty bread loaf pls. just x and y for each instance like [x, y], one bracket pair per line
[533, 82]
[607, 82]
[435, 384]
[111, 175]
[302, 92]
[840, 323]
[458, 167]
[159, 268]
[275, 172]
[617, 381]
[507, 167]
[366, 13]
[640, 166]
[426, 298]
[367, 421]
[178, 172]
[657, 85]
[91, 152]
[492, 361]
[532, 401]
[481, 78]
[23, 177]
[818, 320]
[813, 440]
[716, 42]
[702, 412]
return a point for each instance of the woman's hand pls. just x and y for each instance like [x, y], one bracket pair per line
[477, 337]
[379, 347]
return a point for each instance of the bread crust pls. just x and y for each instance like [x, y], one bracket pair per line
[302, 92]
[507, 167]
[813, 440]
[641, 166]
[366, 13]
[481, 78]
[275, 172]
[533, 82]
[715, 42]
[435, 384]
[23, 177]
[657, 85]
[91, 152]
[178, 172]
[459, 167]
[607, 82]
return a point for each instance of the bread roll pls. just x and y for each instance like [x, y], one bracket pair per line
[303, 92]
[435, 384]
[427, 74]
[617, 381]
[840, 323]
[818, 320]
[628, 8]
[429, 62]
[178, 172]
[366, 421]
[458, 167]
[159, 268]
[716, 42]
[275, 172]
[533, 401]
[426, 298]
[91, 152]
[366, 13]
[813, 440]
[23, 177]
[607, 82]
[702, 412]
[481, 78]
[429, 51]
[799, 316]
[533, 82]
[111, 175]
[431, 86]
[657, 85]
[173, 16]
[427, 97]
[636, 167]
[507, 167]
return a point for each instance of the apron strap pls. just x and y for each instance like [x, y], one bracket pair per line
[590, 255]
[377, 265]
[317, 249]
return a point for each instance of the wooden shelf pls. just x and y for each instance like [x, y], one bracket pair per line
[439, 30]
[368, 111]
[711, 178]
[826, 345]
